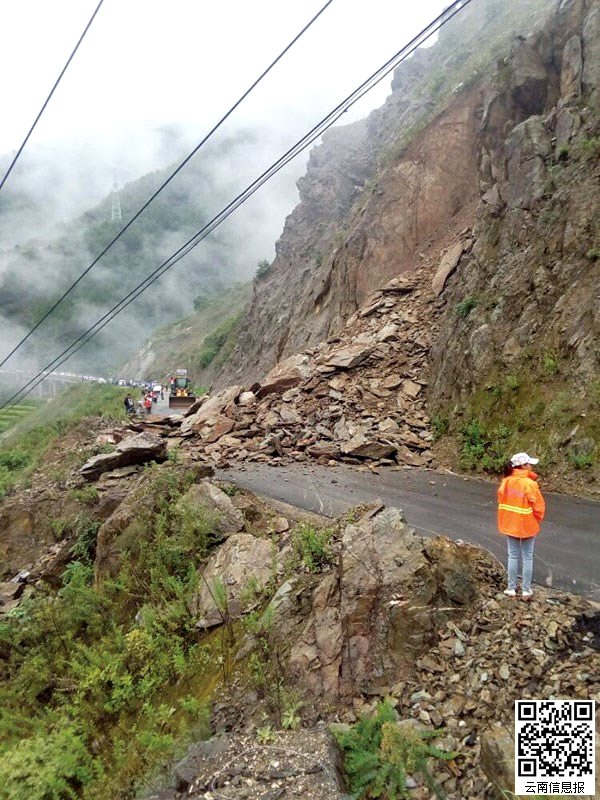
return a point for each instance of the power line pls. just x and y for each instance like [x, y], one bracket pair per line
[302, 144]
[43, 108]
[241, 198]
[165, 183]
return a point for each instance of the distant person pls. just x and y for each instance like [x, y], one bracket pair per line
[129, 405]
[521, 509]
[148, 403]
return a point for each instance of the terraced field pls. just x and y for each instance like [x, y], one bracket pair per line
[13, 414]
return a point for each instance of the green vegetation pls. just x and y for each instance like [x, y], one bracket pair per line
[23, 447]
[593, 253]
[590, 148]
[550, 363]
[263, 268]
[380, 753]
[483, 447]
[265, 669]
[100, 683]
[440, 425]
[178, 211]
[214, 343]
[540, 409]
[581, 460]
[182, 343]
[464, 308]
[12, 415]
[312, 547]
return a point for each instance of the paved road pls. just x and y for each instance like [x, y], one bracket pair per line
[567, 550]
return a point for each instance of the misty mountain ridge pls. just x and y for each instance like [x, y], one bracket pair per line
[35, 271]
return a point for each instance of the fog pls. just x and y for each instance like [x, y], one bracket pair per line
[143, 90]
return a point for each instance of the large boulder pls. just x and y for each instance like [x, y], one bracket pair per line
[138, 449]
[362, 447]
[212, 407]
[528, 147]
[371, 618]
[447, 266]
[348, 357]
[205, 497]
[285, 375]
[498, 757]
[242, 561]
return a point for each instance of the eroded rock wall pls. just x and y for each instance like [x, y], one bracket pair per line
[377, 191]
[533, 274]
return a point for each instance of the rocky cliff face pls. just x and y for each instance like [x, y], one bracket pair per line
[378, 191]
[494, 178]
[519, 339]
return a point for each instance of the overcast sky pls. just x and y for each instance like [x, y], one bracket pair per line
[151, 63]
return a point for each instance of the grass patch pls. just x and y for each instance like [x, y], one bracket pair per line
[483, 447]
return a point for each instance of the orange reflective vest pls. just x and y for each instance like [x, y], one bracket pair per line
[521, 506]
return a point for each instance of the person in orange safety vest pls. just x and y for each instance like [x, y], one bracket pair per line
[521, 509]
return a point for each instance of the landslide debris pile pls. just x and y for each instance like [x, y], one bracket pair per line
[359, 396]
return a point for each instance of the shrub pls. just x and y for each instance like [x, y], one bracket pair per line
[593, 253]
[483, 448]
[262, 269]
[440, 425]
[550, 364]
[13, 460]
[312, 546]
[379, 755]
[590, 147]
[581, 460]
[464, 308]
[88, 495]
[86, 535]
[53, 766]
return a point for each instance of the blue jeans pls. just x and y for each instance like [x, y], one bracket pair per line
[523, 548]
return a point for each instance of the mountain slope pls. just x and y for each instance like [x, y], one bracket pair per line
[498, 190]
[375, 192]
[200, 343]
[33, 275]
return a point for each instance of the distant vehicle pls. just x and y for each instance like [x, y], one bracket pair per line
[181, 394]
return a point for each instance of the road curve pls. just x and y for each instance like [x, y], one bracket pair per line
[567, 550]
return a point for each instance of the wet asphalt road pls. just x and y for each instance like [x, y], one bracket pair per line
[567, 551]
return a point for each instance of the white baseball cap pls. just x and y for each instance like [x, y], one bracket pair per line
[519, 459]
